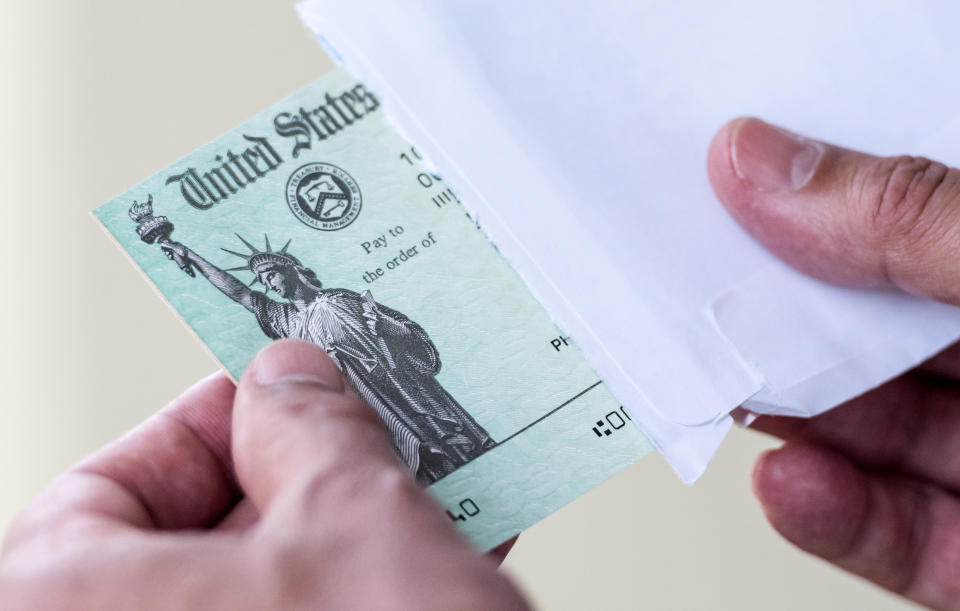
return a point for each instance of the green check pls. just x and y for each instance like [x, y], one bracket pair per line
[316, 220]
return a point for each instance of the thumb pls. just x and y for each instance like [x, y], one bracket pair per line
[300, 434]
[840, 215]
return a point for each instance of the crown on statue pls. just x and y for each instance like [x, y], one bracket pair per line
[259, 261]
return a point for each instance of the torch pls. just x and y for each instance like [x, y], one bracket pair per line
[152, 229]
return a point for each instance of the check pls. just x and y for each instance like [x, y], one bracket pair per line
[317, 220]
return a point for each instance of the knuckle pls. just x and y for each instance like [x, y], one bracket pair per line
[361, 484]
[360, 496]
[911, 538]
[292, 567]
[903, 193]
[349, 475]
[336, 418]
[396, 487]
[306, 401]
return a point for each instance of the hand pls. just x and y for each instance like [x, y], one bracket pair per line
[872, 486]
[174, 249]
[179, 254]
[283, 493]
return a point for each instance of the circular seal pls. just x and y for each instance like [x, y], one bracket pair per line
[323, 196]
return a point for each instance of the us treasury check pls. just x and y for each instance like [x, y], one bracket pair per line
[316, 220]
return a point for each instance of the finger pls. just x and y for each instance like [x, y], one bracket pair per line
[900, 533]
[945, 365]
[840, 215]
[173, 471]
[300, 433]
[135, 570]
[911, 425]
[241, 517]
[318, 465]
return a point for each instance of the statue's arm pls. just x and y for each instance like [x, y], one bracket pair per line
[224, 281]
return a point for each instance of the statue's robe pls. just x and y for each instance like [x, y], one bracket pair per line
[392, 364]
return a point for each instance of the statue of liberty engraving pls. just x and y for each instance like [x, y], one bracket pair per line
[388, 359]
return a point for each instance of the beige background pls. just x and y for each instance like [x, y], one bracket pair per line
[97, 95]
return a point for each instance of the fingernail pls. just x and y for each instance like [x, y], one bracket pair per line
[771, 158]
[287, 362]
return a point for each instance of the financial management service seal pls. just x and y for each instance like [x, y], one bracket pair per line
[323, 196]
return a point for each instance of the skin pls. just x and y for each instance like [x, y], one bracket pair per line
[872, 486]
[280, 493]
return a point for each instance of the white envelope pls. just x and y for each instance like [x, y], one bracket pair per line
[576, 133]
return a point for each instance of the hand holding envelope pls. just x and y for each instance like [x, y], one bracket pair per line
[600, 115]
[872, 485]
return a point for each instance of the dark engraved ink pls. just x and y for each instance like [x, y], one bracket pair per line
[389, 359]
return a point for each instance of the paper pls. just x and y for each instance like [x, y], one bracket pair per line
[577, 133]
[316, 220]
